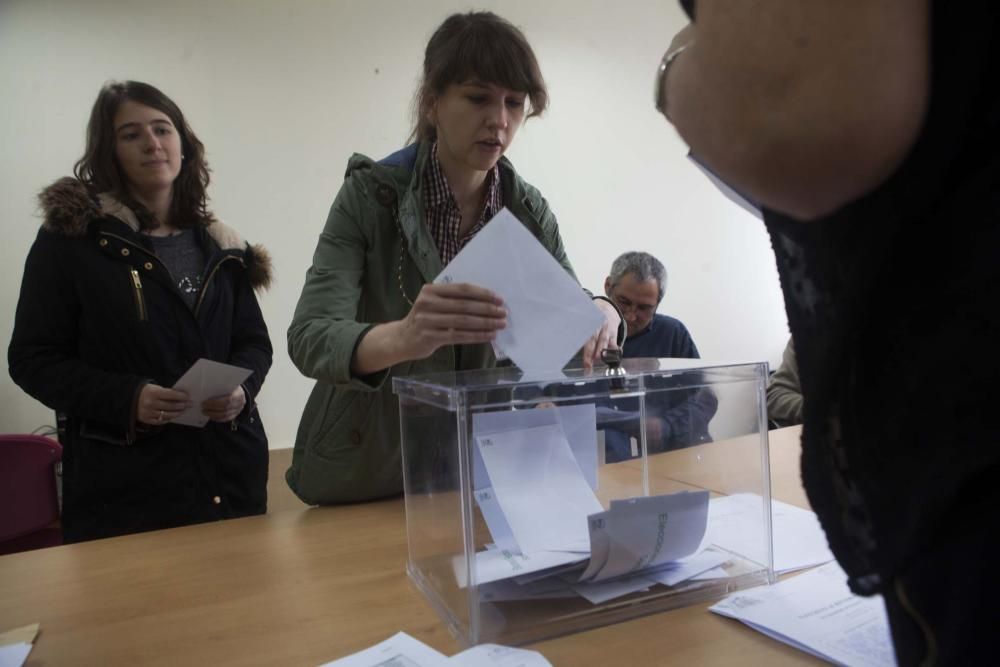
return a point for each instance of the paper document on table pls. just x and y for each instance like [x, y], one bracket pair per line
[549, 317]
[578, 424]
[816, 612]
[540, 487]
[14, 655]
[736, 523]
[493, 655]
[207, 379]
[400, 650]
[16, 644]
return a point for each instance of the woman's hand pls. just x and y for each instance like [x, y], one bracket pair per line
[605, 337]
[225, 408]
[157, 405]
[448, 314]
[454, 314]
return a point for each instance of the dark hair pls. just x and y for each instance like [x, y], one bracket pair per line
[99, 168]
[477, 45]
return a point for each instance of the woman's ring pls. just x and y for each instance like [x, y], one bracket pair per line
[160, 417]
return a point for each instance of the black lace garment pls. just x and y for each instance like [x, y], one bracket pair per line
[894, 305]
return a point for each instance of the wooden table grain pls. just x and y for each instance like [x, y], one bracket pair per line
[302, 586]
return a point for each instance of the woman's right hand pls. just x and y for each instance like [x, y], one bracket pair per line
[443, 314]
[452, 314]
[157, 405]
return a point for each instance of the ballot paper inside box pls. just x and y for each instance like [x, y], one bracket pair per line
[547, 503]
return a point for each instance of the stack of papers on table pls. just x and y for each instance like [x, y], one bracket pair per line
[736, 525]
[817, 613]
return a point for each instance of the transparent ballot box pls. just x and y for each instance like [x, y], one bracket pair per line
[548, 503]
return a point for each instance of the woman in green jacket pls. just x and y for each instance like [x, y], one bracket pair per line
[369, 309]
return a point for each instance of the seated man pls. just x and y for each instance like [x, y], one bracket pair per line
[636, 285]
[676, 418]
[784, 395]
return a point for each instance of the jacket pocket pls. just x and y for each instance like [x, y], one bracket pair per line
[333, 431]
[137, 292]
[345, 459]
[99, 433]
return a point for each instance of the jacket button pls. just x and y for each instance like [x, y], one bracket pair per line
[102, 242]
[125, 252]
[148, 266]
[217, 500]
[355, 437]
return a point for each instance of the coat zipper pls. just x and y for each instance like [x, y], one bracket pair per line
[205, 283]
[138, 284]
[140, 302]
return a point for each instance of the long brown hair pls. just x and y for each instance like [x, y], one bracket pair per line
[477, 45]
[99, 169]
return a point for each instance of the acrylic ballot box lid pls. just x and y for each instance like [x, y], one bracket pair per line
[543, 503]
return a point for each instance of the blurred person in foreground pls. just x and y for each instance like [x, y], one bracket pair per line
[868, 131]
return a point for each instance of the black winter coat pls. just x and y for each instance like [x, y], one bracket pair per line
[99, 317]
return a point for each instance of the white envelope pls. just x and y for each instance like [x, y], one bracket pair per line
[495, 520]
[540, 488]
[646, 532]
[207, 379]
[549, 317]
[578, 422]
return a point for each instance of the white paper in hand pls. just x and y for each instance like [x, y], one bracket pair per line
[549, 317]
[206, 379]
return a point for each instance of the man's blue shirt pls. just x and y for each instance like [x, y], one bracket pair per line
[664, 337]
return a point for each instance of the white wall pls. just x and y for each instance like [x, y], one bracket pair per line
[282, 93]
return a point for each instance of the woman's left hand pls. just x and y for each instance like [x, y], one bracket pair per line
[225, 408]
[606, 337]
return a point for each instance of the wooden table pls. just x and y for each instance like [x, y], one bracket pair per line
[305, 586]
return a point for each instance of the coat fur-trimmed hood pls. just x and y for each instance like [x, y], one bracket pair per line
[69, 208]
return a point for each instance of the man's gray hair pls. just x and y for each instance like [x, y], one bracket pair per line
[643, 265]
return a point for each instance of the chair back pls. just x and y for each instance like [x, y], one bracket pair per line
[29, 501]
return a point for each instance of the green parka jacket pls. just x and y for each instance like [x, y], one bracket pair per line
[347, 446]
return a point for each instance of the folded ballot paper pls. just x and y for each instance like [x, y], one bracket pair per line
[549, 316]
[204, 380]
[551, 535]
[402, 650]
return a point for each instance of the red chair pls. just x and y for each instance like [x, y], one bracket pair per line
[29, 503]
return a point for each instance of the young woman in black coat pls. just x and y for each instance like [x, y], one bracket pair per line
[128, 283]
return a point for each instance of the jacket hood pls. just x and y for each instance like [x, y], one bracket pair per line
[69, 208]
